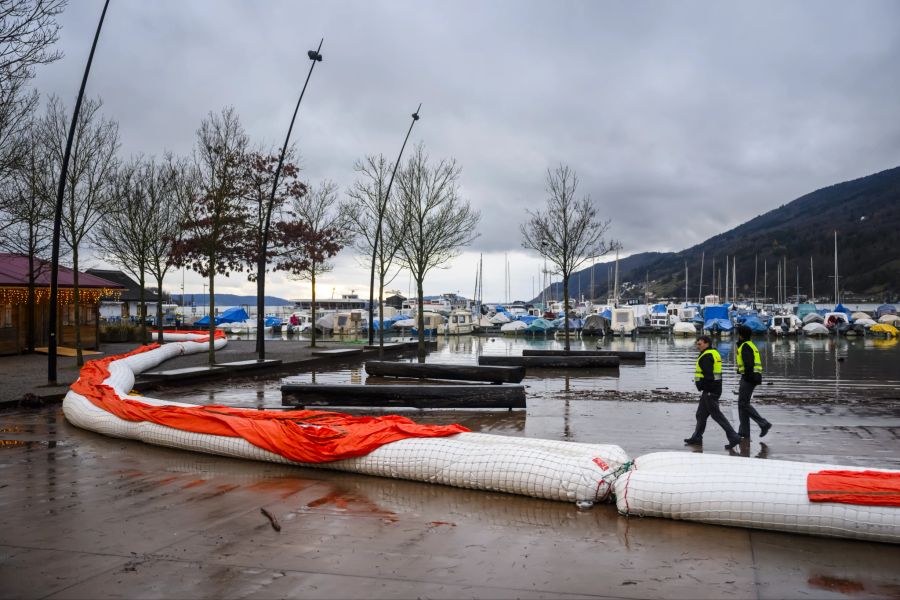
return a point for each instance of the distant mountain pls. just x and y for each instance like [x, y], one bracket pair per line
[229, 300]
[865, 213]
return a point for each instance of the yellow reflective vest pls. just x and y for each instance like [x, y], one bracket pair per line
[717, 365]
[757, 363]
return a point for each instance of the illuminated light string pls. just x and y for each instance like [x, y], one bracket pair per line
[18, 296]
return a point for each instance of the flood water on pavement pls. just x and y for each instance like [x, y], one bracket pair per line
[796, 370]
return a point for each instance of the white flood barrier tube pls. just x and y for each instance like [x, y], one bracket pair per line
[747, 492]
[550, 469]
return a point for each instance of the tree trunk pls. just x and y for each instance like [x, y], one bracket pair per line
[566, 310]
[312, 306]
[380, 315]
[29, 334]
[159, 308]
[142, 305]
[421, 319]
[372, 290]
[80, 357]
[212, 313]
[260, 305]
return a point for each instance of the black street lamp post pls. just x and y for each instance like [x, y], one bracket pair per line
[314, 56]
[381, 209]
[57, 215]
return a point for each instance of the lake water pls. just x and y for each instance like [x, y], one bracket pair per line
[796, 370]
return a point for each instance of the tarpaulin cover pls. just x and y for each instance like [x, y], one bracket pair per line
[301, 435]
[873, 488]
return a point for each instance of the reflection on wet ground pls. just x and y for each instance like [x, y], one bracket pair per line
[101, 517]
[90, 516]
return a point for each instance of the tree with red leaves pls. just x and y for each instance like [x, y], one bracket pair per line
[265, 212]
[214, 238]
[317, 231]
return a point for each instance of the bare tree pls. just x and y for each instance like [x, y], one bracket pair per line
[567, 232]
[123, 236]
[433, 221]
[28, 29]
[88, 179]
[319, 231]
[164, 183]
[138, 231]
[25, 209]
[366, 210]
[213, 239]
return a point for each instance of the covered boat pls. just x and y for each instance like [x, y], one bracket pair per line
[889, 319]
[885, 309]
[594, 326]
[755, 325]
[815, 329]
[716, 320]
[539, 326]
[684, 328]
[513, 327]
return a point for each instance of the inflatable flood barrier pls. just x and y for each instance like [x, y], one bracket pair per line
[549, 469]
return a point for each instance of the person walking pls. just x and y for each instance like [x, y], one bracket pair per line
[749, 366]
[708, 379]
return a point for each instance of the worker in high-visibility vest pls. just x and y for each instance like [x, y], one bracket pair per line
[708, 379]
[749, 366]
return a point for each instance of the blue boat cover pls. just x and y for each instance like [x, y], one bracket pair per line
[232, 315]
[843, 309]
[658, 309]
[755, 325]
[539, 325]
[885, 309]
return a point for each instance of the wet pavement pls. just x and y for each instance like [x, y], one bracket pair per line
[86, 516]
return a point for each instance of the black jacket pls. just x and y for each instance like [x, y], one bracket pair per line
[748, 375]
[709, 383]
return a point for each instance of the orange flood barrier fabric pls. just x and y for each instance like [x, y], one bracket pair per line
[301, 435]
[874, 488]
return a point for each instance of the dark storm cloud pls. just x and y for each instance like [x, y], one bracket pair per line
[681, 119]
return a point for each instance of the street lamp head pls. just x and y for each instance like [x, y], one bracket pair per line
[313, 55]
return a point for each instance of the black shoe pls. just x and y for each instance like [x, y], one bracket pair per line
[763, 430]
[733, 442]
[692, 441]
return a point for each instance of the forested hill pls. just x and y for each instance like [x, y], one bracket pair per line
[865, 213]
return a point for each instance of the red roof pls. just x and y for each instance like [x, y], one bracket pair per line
[14, 273]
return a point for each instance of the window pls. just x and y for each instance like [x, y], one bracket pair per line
[6, 316]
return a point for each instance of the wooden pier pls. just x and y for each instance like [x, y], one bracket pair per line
[477, 395]
[622, 354]
[445, 371]
[553, 362]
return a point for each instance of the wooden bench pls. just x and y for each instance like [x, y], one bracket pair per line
[338, 352]
[507, 396]
[445, 371]
[249, 365]
[185, 373]
[554, 362]
[622, 354]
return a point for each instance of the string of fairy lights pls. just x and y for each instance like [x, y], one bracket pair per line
[18, 296]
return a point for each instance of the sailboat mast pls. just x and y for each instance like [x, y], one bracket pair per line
[685, 283]
[765, 280]
[755, 276]
[734, 279]
[727, 263]
[616, 288]
[700, 290]
[812, 281]
[836, 299]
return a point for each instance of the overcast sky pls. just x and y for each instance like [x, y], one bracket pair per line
[682, 119]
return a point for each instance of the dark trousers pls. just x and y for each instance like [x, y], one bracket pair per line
[745, 410]
[709, 407]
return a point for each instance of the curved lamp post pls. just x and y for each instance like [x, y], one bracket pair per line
[315, 56]
[57, 215]
[387, 194]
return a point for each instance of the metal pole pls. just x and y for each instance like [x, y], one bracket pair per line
[57, 216]
[314, 56]
[387, 194]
